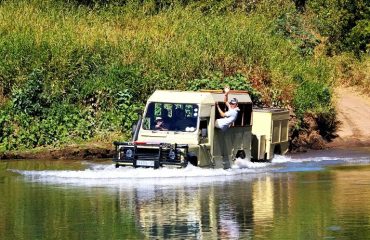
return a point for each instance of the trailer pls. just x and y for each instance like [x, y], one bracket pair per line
[269, 133]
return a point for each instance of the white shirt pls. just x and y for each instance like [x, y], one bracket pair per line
[230, 117]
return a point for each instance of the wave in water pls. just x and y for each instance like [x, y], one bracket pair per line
[102, 174]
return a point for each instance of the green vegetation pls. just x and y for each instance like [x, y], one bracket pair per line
[74, 71]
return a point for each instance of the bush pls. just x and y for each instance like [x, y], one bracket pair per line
[343, 22]
[29, 98]
[311, 96]
[290, 25]
[73, 70]
[217, 82]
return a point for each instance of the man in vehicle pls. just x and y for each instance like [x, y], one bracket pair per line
[160, 124]
[230, 115]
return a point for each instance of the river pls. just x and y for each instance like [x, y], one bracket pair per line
[317, 195]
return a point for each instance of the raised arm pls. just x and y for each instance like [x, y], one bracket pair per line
[226, 96]
[226, 101]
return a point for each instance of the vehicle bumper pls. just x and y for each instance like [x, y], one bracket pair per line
[152, 155]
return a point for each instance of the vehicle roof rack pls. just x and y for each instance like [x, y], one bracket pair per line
[221, 91]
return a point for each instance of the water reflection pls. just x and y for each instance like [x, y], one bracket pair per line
[233, 210]
[352, 200]
[78, 201]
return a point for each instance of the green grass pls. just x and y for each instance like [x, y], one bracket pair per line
[103, 62]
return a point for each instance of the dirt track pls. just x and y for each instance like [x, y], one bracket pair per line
[354, 114]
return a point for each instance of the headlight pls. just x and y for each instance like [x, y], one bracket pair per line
[172, 154]
[129, 153]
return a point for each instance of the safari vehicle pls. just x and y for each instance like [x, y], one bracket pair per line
[188, 133]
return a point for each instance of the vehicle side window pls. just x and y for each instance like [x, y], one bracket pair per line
[223, 108]
[244, 115]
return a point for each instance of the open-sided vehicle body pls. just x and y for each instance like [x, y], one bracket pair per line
[189, 133]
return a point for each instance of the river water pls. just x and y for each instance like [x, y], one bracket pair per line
[317, 195]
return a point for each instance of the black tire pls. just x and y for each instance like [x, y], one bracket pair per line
[117, 165]
[240, 154]
[156, 164]
[193, 160]
[277, 149]
[184, 164]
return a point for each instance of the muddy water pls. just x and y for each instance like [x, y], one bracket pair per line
[320, 195]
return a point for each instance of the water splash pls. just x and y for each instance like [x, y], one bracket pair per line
[105, 174]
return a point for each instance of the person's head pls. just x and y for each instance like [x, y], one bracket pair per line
[233, 103]
[158, 120]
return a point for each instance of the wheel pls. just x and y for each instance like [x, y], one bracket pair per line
[193, 160]
[117, 165]
[277, 149]
[184, 164]
[240, 154]
[156, 164]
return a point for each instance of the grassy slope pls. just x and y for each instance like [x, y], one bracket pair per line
[85, 61]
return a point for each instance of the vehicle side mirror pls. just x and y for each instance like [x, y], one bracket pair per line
[133, 128]
[139, 112]
[203, 128]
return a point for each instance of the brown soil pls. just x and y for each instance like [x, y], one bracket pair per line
[353, 113]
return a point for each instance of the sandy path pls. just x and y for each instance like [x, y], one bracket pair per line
[354, 114]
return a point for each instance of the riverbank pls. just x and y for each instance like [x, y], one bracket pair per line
[106, 150]
[73, 152]
[353, 112]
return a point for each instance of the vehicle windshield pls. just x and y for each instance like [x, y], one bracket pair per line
[171, 117]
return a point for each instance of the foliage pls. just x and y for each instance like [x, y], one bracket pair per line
[359, 37]
[60, 124]
[344, 22]
[327, 123]
[29, 98]
[290, 25]
[75, 70]
[216, 82]
[311, 95]
[123, 115]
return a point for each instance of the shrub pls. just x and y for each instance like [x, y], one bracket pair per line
[311, 96]
[290, 25]
[341, 21]
[73, 70]
[217, 82]
[29, 98]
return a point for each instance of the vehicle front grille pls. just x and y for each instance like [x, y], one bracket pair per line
[152, 154]
[147, 153]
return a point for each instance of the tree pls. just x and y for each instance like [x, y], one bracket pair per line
[344, 22]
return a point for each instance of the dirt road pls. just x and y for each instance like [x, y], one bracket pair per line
[354, 114]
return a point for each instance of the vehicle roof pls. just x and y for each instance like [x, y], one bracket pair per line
[202, 97]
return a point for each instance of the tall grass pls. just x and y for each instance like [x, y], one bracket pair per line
[352, 71]
[181, 43]
[87, 55]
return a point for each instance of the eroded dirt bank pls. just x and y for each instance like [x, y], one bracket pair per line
[353, 113]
